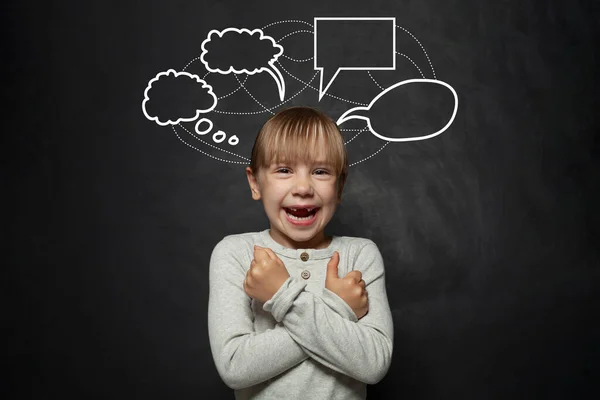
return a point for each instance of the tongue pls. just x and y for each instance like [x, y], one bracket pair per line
[300, 213]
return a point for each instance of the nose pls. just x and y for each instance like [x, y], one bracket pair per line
[302, 185]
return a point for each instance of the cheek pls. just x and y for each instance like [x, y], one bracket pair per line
[330, 192]
[274, 196]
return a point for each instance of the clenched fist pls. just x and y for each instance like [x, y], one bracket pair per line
[351, 288]
[266, 275]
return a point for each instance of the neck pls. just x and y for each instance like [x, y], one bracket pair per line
[318, 242]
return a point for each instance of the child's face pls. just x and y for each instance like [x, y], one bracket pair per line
[299, 200]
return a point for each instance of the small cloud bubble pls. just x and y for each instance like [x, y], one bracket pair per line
[173, 97]
[242, 51]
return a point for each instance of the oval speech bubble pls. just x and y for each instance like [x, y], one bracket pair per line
[423, 104]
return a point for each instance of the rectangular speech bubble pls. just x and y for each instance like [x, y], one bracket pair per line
[353, 43]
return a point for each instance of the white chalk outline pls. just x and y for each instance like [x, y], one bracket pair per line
[203, 152]
[198, 112]
[314, 88]
[210, 145]
[201, 121]
[274, 72]
[345, 116]
[306, 84]
[393, 68]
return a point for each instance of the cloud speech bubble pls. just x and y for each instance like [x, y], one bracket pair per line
[416, 105]
[358, 43]
[170, 92]
[242, 51]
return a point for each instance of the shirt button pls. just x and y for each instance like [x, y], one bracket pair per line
[305, 274]
[304, 256]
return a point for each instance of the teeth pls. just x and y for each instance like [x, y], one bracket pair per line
[296, 209]
[298, 218]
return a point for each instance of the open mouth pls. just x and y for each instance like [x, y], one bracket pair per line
[301, 214]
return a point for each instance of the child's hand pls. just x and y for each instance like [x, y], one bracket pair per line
[266, 275]
[351, 288]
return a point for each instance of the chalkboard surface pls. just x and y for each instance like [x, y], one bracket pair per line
[471, 128]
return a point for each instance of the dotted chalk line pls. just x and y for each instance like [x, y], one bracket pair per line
[238, 88]
[306, 84]
[380, 87]
[422, 48]
[413, 63]
[272, 108]
[298, 61]
[293, 33]
[208, 73]
[359, 132]
[287, 21]
[193, 60]
[212, 145]
[253, 98]
[372, 155]
[229, 94]
[203, 152]
[317, 90]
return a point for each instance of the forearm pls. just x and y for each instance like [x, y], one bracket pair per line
[328, 329]
[249, 359]
[242, 356]
[358, 349]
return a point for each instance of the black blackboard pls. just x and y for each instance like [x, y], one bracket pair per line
[489, 230]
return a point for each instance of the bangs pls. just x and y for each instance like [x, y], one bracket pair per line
[300, 134]
[306, 144]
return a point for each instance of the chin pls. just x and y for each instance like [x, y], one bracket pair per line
[298, 236]
[302, 237]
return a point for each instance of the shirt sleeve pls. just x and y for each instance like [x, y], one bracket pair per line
[332, 335]
[243, 358]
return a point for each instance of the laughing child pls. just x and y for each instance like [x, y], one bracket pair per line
[294, 313]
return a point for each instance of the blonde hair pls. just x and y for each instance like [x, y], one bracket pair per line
[294, 134]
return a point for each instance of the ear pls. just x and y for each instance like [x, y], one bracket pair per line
[252, 181]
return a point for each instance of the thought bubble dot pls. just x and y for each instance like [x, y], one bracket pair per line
[219, 136]
[203, 131]
[233, 140]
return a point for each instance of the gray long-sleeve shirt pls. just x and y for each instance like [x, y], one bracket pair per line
[305, 342]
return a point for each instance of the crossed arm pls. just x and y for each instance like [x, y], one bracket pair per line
[321, 326]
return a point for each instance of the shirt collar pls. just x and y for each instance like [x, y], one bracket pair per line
[313, 254]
